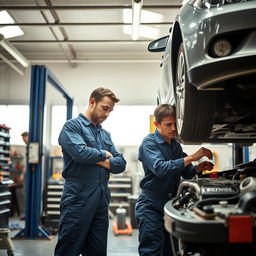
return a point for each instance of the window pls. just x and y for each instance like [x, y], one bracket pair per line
[128, 125]
[59, 114]
[17, 118]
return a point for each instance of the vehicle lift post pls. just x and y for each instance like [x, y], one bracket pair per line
[40, 75]
[240, 154]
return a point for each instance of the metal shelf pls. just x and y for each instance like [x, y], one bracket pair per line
[123, 179]
[119, 185]
[120, 194]
[120, 189]
[53, 199]
[49, 186]
[5, 162]
[54, 193]
[123, 204]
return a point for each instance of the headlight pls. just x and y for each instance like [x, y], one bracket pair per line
[221, 48]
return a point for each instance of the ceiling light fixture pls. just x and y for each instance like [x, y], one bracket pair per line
[5, 18]
[13, 51]
[9, 48]
[136, 14]
[8, 31]
[12, 31]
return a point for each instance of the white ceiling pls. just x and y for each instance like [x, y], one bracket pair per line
[72, 35]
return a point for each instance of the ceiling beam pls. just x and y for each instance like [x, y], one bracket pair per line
[62, 31]
[66, 24]
[83, 7]
[41, 61]
[12, 65]
[79, 41]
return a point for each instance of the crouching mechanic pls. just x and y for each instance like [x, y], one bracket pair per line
[164, 164]
[89, 157]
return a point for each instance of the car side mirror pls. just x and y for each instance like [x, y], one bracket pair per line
[158, 45]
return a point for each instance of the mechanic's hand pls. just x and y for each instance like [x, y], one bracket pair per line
[204, 166]
[108, 154]
[105, 164]
[201, 153]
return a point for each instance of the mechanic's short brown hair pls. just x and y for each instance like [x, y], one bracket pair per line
[162, 111]
[101, 92]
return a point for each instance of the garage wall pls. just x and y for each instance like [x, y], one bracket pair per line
[252, 152]
[133, 83]
[14, 89]
[222, 154]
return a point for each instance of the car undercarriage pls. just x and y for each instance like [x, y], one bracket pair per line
[235, 112]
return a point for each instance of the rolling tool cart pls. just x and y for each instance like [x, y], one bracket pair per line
[120, 189]
[52, 194]
[51, 206]
[5, 194]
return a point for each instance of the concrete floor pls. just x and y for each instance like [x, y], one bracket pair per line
[117, 245]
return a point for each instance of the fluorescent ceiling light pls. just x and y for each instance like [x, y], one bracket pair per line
[136, 13]
[127, 16]
[10, 49]
[13, 51]
[145, 31]
[149, 16]
[5, 18]
[9, 32]
[146, 16]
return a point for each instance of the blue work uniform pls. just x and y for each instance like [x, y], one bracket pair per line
[163, 165]
[85, 199]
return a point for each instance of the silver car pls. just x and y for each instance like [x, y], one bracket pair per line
[209, 70]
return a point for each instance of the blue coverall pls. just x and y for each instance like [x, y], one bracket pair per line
[85, 199]
[163, 165]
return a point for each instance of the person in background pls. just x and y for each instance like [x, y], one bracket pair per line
[24, 136]
[164, 163]
[89, 158]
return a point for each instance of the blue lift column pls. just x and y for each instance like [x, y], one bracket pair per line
[39, 76]
[246, 154]
[240, 154]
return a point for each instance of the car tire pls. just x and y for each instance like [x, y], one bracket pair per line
[194, 109]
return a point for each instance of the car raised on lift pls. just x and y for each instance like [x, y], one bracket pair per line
[209, 70]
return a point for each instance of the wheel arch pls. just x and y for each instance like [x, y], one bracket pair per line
[176, 33]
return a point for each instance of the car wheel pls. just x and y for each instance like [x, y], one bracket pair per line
[194, 109]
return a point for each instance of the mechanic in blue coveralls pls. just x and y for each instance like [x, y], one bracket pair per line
[164, 164]
[89, 157]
